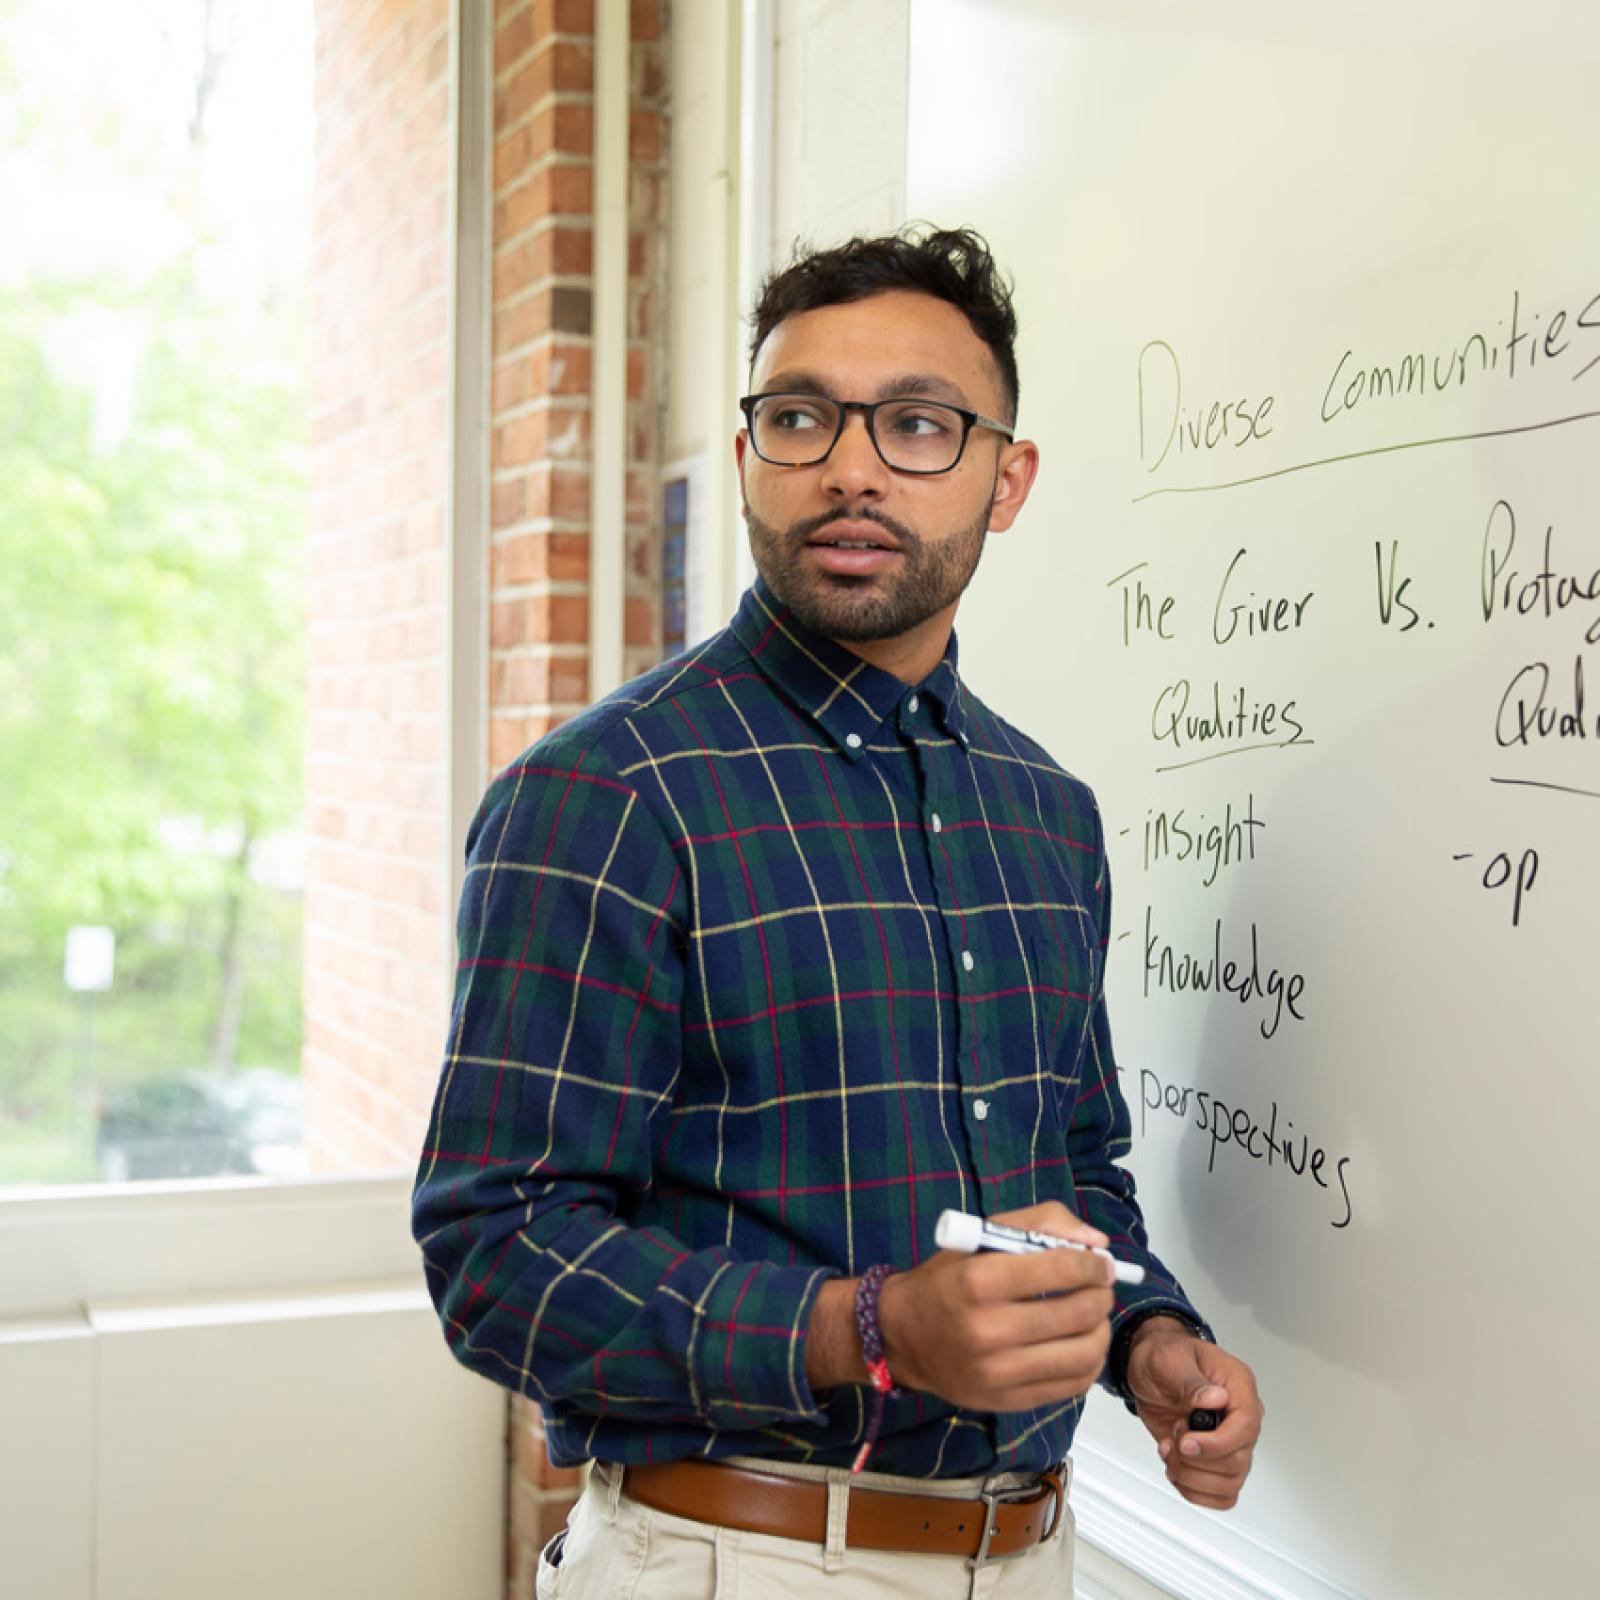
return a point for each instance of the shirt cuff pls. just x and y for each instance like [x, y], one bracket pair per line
[747, 1346]
[1115, 1376]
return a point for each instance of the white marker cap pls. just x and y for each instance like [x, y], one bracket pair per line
[957, 1230]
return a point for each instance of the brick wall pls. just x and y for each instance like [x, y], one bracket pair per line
[540, 455]
[377, 982]
[539, 496]
[376, 988]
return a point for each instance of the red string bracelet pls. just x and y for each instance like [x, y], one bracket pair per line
[871, 1331]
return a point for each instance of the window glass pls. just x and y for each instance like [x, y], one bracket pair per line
[156, 167]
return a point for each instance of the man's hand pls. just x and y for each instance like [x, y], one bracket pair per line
[974, 1329]
[1171, 1373]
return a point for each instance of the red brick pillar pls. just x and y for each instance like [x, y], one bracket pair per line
[376, 923]
[376, 986]
[543, 279]
[540, 451]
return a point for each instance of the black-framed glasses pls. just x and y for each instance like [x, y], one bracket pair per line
[920, 436]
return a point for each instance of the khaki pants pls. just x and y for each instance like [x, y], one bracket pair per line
[616, 1549]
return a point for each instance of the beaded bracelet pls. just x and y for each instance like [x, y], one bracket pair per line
[871, 1331]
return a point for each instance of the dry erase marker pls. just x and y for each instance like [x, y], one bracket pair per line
[960, 1230]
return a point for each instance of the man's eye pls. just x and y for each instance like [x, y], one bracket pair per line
[795, 419]
[920, 424]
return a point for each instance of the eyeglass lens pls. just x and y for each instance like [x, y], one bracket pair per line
[916, 435]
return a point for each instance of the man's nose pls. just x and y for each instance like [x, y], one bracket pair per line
[854, 468]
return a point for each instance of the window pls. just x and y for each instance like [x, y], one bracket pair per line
[153, 482]
[223, 921]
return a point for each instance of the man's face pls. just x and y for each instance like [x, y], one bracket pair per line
[926, 533]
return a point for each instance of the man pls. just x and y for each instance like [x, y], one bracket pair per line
[766, 960]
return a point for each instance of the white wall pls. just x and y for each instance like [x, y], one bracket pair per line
[821, 154]
[839, 120]
[788, 121]
[241, 1389]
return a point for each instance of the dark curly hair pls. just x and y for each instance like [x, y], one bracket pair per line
[951, 264]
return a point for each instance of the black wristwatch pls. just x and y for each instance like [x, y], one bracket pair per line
[1122, 1344]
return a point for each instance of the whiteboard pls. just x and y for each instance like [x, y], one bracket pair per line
[1310, 302]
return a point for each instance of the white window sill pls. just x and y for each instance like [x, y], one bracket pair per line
[63, 1249]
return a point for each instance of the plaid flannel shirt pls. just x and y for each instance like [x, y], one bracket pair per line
[765, 960]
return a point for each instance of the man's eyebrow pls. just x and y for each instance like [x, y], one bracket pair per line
[931, 384]
[911, 385]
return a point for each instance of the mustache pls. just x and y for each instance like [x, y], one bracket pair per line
[799, 532]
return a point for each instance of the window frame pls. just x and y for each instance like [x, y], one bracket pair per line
[69, 1245]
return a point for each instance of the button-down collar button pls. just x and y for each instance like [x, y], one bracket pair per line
[912, 704]
[966, 960]
[853, 740]
[938, 826]
[980, 1109]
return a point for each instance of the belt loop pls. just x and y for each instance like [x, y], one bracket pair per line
[614, 1476]
[726, 1546]
[833, 1550]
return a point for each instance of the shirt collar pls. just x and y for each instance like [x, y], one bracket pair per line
[849, 698]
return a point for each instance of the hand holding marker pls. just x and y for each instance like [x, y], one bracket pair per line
[960, 1230]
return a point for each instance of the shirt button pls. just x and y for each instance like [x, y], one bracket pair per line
[980, 1109]
[912, 704]
[966, 960]
[938, 826]
[853, 740]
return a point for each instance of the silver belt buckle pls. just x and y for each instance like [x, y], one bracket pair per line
[993, 1499]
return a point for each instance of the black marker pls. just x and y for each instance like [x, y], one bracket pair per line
[1202, 1420]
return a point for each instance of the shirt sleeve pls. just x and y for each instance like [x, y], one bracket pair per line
[1099, 1139]
[556, 1088]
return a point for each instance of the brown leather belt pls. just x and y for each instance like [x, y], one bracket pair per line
[998, 1523]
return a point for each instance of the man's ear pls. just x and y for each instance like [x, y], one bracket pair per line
[1018, 467]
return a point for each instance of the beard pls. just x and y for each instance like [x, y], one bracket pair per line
[879, 605]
